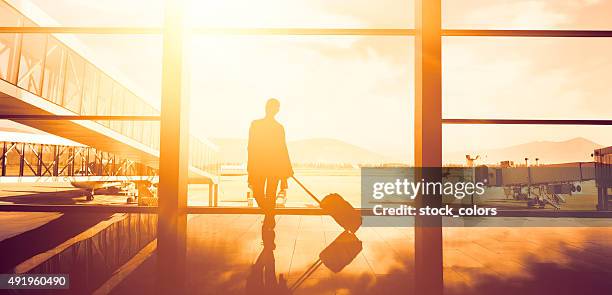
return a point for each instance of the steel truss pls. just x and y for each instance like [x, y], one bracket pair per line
[23, 159]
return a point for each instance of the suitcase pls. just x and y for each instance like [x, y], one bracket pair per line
[334, 205]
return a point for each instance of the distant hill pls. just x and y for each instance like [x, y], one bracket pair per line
[316, 150]
[576, 149]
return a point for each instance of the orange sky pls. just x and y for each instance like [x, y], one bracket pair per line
[360, 89]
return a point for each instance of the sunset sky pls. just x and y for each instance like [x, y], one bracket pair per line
[360, 89]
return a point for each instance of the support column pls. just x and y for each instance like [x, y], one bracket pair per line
[210, 194]
[173, 161]
[21, 159]
[55, 161]
[216, 194]
[39, 165]
[4, 159]
[428, 142]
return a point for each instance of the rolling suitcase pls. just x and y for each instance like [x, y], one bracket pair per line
[338, 208]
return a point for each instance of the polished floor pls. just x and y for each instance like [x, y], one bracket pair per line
[231, 254]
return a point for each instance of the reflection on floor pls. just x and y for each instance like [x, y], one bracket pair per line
[55, 193]
[230, 254]
[34, 233]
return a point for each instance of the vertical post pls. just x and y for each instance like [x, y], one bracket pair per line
[21, 159]
[602, 199]
[87, 162]
[55, 161]
[4, 159]
[40, 160]
[71, 160]
[101, 168]
[173, 160]
[428, 141]
[114, 166]
[216, 192]
[210, 193]
[606, 197]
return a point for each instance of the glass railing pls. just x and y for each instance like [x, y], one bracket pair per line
[46, 67]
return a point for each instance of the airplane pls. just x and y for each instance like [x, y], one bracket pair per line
[91, 186]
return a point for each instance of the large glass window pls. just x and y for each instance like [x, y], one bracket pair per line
[8, 18]
[90, 90]
[532, 14]
[129, 109]
[117, 106]
[55, 66]
[345, 101]
[148, 126]
[105, 97]
[7, 56]
[96, 13]
[302, 13]
[73, 89]
[520, 145]
[155, 135]
[519, 78]
[31, 62]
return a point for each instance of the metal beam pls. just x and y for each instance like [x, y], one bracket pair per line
[3, 157]
[526, 122]
[78, 118]
[536, 213]
[174, 155]
[305, 31]
[210, 31]
[82, 30]
[428, 142]
[529, 33]
[310, 31]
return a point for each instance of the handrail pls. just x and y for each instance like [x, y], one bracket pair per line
[277, 211]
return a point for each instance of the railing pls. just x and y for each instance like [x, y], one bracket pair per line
[46, 67]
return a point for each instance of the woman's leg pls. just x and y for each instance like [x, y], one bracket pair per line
[271, 189]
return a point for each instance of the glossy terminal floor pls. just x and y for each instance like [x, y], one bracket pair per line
[226, 255]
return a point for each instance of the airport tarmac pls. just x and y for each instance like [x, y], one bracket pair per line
[55, 193]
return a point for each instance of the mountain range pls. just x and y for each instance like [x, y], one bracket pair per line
[332, 151]
[315, 150]
[572, 150]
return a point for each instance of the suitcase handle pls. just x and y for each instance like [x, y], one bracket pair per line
[307, 191]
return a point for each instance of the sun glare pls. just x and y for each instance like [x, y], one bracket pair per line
[266, 13]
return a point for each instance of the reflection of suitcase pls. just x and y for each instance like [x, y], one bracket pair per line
[340, 253]
[338, 208]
